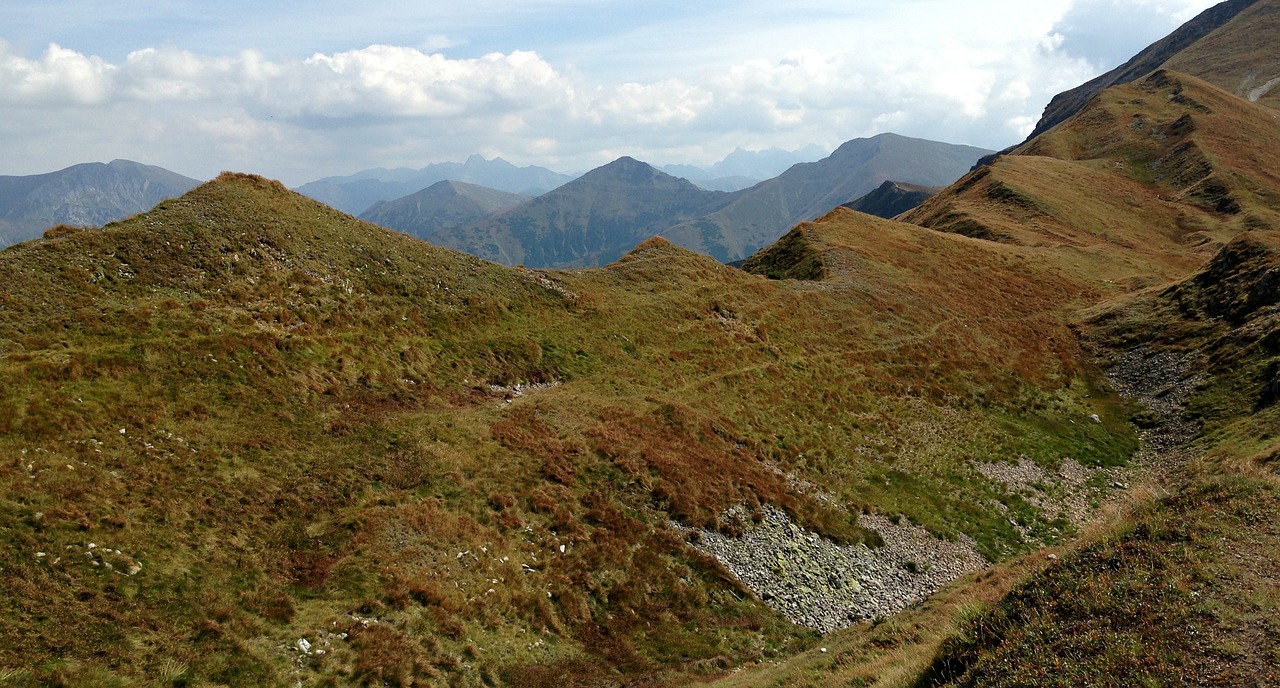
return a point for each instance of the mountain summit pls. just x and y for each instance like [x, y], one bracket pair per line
[592, 220]
[440, 207]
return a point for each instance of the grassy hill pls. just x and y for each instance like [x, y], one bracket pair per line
[1234, 59]
[243, 420]
[246, 439]
[1163, 153]
[1153, 57]
[1182, 591]
[1172, 586]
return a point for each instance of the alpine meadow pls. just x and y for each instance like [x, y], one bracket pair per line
[1023, 433]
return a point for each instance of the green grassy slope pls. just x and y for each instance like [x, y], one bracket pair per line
[1184, 592]
[275, 423]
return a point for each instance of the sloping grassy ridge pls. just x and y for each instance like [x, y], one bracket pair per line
[1183, 592]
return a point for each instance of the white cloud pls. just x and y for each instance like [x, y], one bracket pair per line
[437, 42]
[404, 82]
[976, 73]
[59, 77]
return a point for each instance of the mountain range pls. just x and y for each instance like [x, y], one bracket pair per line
[88, 194]
[1021, 435]
[606, 212]
[441, 206]
[357, 193]
[592, 220]
[743, 168]
[758, 216]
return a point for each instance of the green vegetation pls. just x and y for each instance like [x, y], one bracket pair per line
[1180, 594]
[298, 426]
[249, 440]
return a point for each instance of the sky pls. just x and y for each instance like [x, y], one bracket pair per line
[302, 90]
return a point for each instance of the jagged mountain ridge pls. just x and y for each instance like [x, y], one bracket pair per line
[89, 194]
[742, 169]
[442, 206]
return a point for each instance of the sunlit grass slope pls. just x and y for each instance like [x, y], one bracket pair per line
[1143, 184]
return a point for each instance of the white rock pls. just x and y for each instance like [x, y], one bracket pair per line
[304, 645]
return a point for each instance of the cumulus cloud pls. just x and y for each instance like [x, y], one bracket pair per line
[60, 76]
[948, 76]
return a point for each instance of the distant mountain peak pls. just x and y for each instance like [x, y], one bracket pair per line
[892, 198]
[87, 194]
[629, 170]
[626, 161]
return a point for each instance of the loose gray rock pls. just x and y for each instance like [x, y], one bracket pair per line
[817, 583]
